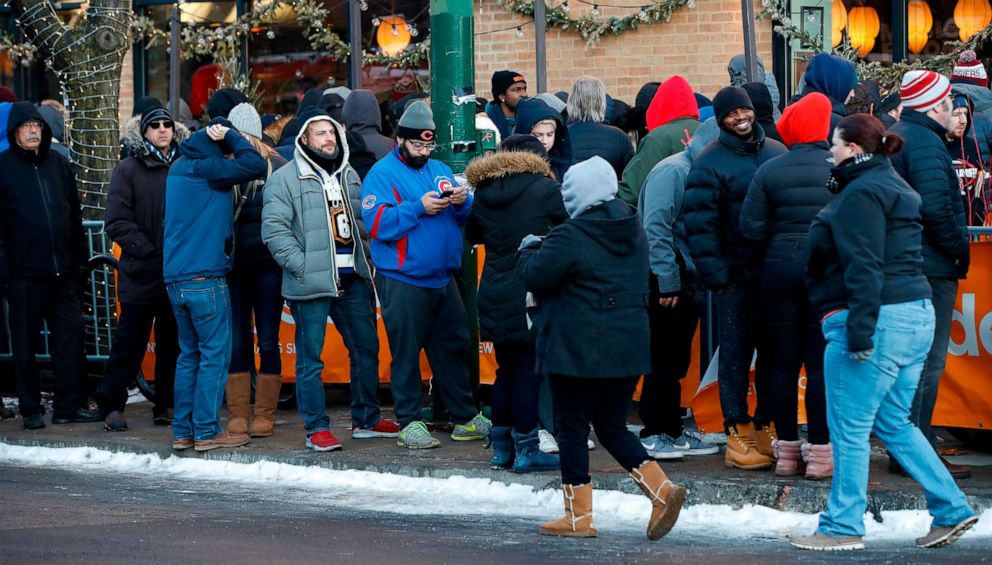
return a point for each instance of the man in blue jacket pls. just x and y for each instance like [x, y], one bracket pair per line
[199, 214]
[414, 212]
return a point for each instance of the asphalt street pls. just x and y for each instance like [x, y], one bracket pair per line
[60, 516]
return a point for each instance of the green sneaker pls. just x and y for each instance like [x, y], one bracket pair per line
[416, 436]
[476, 428]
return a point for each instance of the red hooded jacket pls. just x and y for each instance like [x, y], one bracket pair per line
[673, 100]
[806, 121]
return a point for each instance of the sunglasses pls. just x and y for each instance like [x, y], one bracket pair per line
[159, 125]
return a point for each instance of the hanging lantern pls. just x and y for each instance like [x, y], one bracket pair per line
[392, 35]
[838, 20]
[862, 28]
[920, 22]
[971, 16]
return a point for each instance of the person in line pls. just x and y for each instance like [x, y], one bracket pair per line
[363, 118]
[134, 221]
[43, 257]
[199, 234]
[543, 122]
[730, 266]
[310, 225]
[514, 196]
[786, 194]
[674, 304]
[834, 77]
[868, 289]
[763, 108]
[672, 118]
[925, 164]
[255, 284]
[414, 212]
[509, 88]
[589, 279]
[971, 161]
[589, 134]
[738, 77]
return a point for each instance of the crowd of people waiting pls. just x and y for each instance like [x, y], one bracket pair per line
[832, 236]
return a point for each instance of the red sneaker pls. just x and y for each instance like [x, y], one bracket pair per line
[323, 441]
[384, 428]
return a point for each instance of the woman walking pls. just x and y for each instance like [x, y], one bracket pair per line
[866, 284]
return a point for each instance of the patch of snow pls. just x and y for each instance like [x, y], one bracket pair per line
[459, 495]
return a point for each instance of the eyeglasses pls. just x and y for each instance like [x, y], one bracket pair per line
[420, 146]
[158, 125]
[32, 124]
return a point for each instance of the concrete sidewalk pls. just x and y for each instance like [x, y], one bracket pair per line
[709, 481]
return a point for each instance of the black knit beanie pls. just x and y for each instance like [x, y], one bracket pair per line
[524, 142]
[223, 101]
[154, 115]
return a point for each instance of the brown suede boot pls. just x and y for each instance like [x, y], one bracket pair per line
[742, 449]
[666, 498]
[577, 521]
[267, 389]
[238, 393]
[766, 436]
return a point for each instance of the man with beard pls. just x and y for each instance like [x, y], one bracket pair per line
[42, 257]
[730, 265]
[970, 161]
[508, 88]
[414, 212]
[309, 225]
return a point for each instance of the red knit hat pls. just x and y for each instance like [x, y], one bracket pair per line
[923, 90]
[969, 70]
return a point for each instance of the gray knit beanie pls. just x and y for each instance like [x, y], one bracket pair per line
[587, 184]
[417, 122]
[245, 118]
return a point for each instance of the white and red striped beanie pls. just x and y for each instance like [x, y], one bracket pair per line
[923, 90]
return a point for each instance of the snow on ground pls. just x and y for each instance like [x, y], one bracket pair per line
[456, 495]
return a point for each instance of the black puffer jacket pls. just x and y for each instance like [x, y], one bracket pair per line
[925, 164]
[590, 279]
[41, 229]
[135, 210]
[514, 196]
[715, 190]
[590, 139]
[250, 254]
[865, 247]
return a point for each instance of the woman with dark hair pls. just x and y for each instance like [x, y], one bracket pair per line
[866, 284]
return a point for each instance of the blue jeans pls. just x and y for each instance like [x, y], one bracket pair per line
[353, 315]
[875, 396]
[203, 316]
[256, 301]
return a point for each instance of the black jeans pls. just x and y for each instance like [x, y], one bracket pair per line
[256, 297]
[433, 320]
[739, 321]
[672, 330]
[517, 387]
[791, 338]
[128, 350]
[54, 300]
[603, 403]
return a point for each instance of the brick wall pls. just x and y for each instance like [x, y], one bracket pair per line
[697, 44]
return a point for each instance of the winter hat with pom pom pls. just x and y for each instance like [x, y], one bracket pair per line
[969, 70]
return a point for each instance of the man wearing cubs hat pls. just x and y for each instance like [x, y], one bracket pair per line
[414, 210]
[508, 88]
[925, 163]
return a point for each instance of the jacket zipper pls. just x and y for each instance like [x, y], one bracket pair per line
[48, 216]
[330, 237]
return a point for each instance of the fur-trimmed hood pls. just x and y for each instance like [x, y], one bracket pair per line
[134, 141]
[504, 163]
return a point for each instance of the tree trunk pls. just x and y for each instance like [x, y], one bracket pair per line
[87, 58]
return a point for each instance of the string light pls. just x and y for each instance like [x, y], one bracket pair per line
[520, 32]
[595, 10]
[363, 6]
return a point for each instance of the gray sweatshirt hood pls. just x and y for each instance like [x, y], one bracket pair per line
[361, 112]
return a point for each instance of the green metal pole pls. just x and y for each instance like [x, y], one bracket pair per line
[453, 102]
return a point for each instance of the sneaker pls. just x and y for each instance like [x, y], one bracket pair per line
[383, 428]
[34, 422]
[162, 418]
[546, 442]
[182, 443]
[660, 447]
[476, 428]
[590, 444]
[944, 536]
[6, 413]
[80, 416]
[223, 439]
[821, 542]
[691, 443]
[323, 441]
[416, 436]
[115, 422]
[717, 438]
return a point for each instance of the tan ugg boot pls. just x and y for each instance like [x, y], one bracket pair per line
[666, 498]
[742, 449]
[267, 389]
[766, 436]
[238, 391]
[577, 521]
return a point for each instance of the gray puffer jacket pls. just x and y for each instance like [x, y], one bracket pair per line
[296, 224]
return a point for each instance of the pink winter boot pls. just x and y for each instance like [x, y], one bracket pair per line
[789, 458]
[819, 460]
